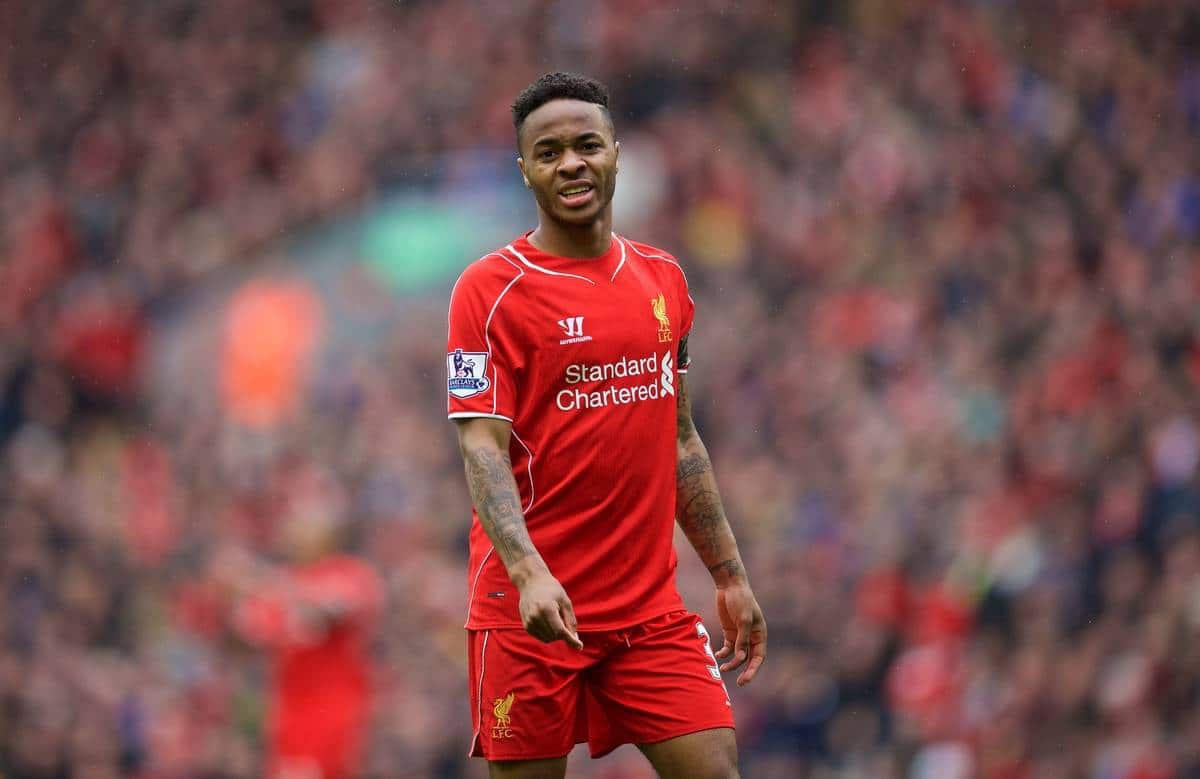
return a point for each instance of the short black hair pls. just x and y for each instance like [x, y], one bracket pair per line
[558, 86]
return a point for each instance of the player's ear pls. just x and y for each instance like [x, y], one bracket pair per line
[617, 165]
[524, 175]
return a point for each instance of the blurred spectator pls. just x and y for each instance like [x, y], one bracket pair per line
[315, 617]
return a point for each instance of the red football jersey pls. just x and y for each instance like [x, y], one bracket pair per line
[581, 355]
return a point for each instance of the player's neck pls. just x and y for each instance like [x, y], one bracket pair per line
[591, 240]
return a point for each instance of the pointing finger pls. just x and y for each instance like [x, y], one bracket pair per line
[559, 630]
[572, 640]
[571, 623]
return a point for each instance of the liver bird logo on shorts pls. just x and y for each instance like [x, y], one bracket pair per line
[501, 708]
[659, 306]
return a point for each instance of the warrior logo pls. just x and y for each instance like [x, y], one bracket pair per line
[572, 327]
[501, 708]
[466, 373]
[659, 306]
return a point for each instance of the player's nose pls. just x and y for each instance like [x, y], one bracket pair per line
[571, 163]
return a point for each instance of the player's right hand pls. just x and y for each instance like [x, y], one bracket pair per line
[546, 611]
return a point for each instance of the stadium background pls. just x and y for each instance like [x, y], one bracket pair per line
[946, 359]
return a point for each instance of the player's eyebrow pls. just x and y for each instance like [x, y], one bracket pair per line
[550, 140]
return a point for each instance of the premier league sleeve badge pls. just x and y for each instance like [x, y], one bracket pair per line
[466, 373]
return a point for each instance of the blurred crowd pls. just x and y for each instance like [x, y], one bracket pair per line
[947, 360]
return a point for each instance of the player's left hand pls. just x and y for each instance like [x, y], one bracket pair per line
[744, 629]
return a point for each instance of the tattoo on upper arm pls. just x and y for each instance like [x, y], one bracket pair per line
[490, 480]
[684, 427]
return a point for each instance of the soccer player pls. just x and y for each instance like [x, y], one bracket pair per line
[575, 429]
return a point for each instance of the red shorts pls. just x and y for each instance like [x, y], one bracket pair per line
[641, 685]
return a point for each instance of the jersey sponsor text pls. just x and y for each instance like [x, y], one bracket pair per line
[572, 399]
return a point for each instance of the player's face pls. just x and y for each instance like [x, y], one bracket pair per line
[569, 160]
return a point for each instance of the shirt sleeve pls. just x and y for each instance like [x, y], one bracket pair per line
[481, 352]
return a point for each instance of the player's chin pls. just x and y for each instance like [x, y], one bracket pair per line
[578, 217]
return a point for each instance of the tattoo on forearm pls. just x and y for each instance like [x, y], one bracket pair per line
[700, 513]
[703, 521]
[693, 464]
[490, 480]
[731, 568]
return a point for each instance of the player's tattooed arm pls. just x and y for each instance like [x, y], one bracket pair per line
[546, 611]
[494, 492]
[483, 443]
[700, 513]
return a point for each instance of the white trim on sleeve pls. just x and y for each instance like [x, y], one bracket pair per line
[473, 414]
